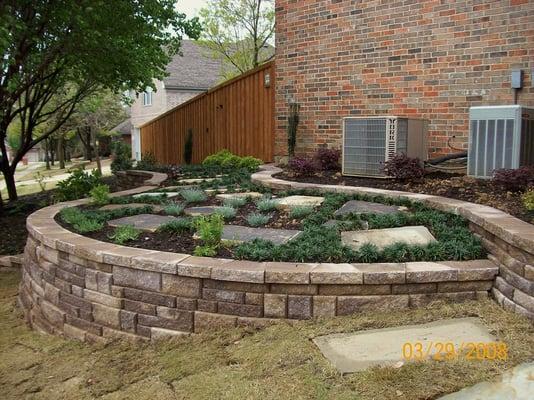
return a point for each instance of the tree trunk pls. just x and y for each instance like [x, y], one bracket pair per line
[9, 177]
[1, 205]
[96, 150]
[47, 154]
[52, 152]
[61, 151]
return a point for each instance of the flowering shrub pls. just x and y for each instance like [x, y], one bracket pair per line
[403, 167]
[302, 166]
[515, 180]
[328, 159]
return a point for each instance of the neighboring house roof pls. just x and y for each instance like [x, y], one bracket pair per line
[124, 128]
[194, 69]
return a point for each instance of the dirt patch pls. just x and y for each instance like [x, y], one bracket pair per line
[278, 362]
[455, 186]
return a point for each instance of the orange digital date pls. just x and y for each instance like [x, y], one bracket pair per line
[447, 351]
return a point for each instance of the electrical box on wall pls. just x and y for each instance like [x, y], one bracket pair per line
[517, 79]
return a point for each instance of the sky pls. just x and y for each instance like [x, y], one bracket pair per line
[190, 7]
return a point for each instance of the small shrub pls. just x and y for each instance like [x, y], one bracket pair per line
[77, 185]
[299, 212]
[250, 163]
[177, 226]
[86, 225]
[302, 166]
[515, 180]
[328, 159]
[100, 195]
[209, 229]
[528, 200]
[193, 195]
[174, 209]
[124, 234]
[257, 219]
[226, 212]
[404, 168]
[122, 156]
[368, 253]
[148, 162]
[265, 205]
[224, 159]
[235, 202]
[80, 221]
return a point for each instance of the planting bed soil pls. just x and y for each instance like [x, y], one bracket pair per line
[455, 186]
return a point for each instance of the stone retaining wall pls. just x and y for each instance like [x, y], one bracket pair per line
[93, 291]
[509, 240]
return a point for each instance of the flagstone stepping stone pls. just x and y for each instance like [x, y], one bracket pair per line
[167, 195]
[111, 207]
[366, 207]
[296, 201]
[213, 191]
[381, 238]
[182, 187]
[145, 222]
[203, 210]
[197, 180]
[517, 384]
[236, 233]
[245, 195]
[357, 351]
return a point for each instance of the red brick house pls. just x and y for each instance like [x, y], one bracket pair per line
[426, 58]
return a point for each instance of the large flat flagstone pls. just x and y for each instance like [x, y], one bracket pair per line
[111, 207]
[296, 201]
[517, 384]
[196, 180]
[167, 195]
[413, 235]
[145, 222]
[366, 207]
[356, 351]
[237, 233]
[245, 195]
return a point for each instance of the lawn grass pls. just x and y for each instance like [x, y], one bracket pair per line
[279, 362]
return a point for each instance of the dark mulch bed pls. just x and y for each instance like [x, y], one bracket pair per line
[13, 223]
[455, 186]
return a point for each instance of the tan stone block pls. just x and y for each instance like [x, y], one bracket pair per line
[358, 290]
[84, 325]
[180, 321]
[149, 297]
[283, 272]
[237, 286]
[408, 288]
[243, 310]
[275, 305]
[139, 307]
[422, 272]
[101, 298]
[181, 286]
[239, 271]
[207, 322]
[91, 279]
[145, 280]
[207, 306]
[51, 293]
[475, 270]
[336, 274]
[254, 298]
[52, 314]
[468, 286]
[422, 300]
[529, 272]
[299, 307]
[382, 274]
[159, 262]
[223, 295]
[524, 300]
[324, 306]
[122, 256]
[106, 316]
[163, 334]
[281, 288]
[198, 267]
[348, 305]
[73, 332]
[128, 321]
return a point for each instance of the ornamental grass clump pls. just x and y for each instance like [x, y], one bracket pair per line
[193, 195]
[226, 212]
[235, 202]
[257, 219]
[174, 209]
[266, 205]
[123, 234]
[298, 212]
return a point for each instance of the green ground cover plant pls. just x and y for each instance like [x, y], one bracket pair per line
[266, 204]
[298, 212]
[209, 229]
[226, 212]
[174, 209]
[257, 219]
[177, 226]
[319, 243]
[235, 202]
[193, 195]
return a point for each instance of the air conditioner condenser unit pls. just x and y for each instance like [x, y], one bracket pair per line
[499, 137]
[368, 142]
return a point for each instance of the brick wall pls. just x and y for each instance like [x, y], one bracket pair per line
[424, 58]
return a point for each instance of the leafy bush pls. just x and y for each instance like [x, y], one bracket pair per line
[298, 212]
[193, 195]
[265, 205]
[209, 229]
[226, 160]
[122, 156]
[328, 159]
[515, 180]
[100, 195]
[235, 202]
[177, 226]
[404, 168]
[257, 219]
[80, 221]
[528, 200]
[148, 162]
[125, 234]
[302, 166]
[174, 209]
[226, 212]
[77, 185]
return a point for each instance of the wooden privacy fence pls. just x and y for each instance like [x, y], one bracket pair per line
[237, 115]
